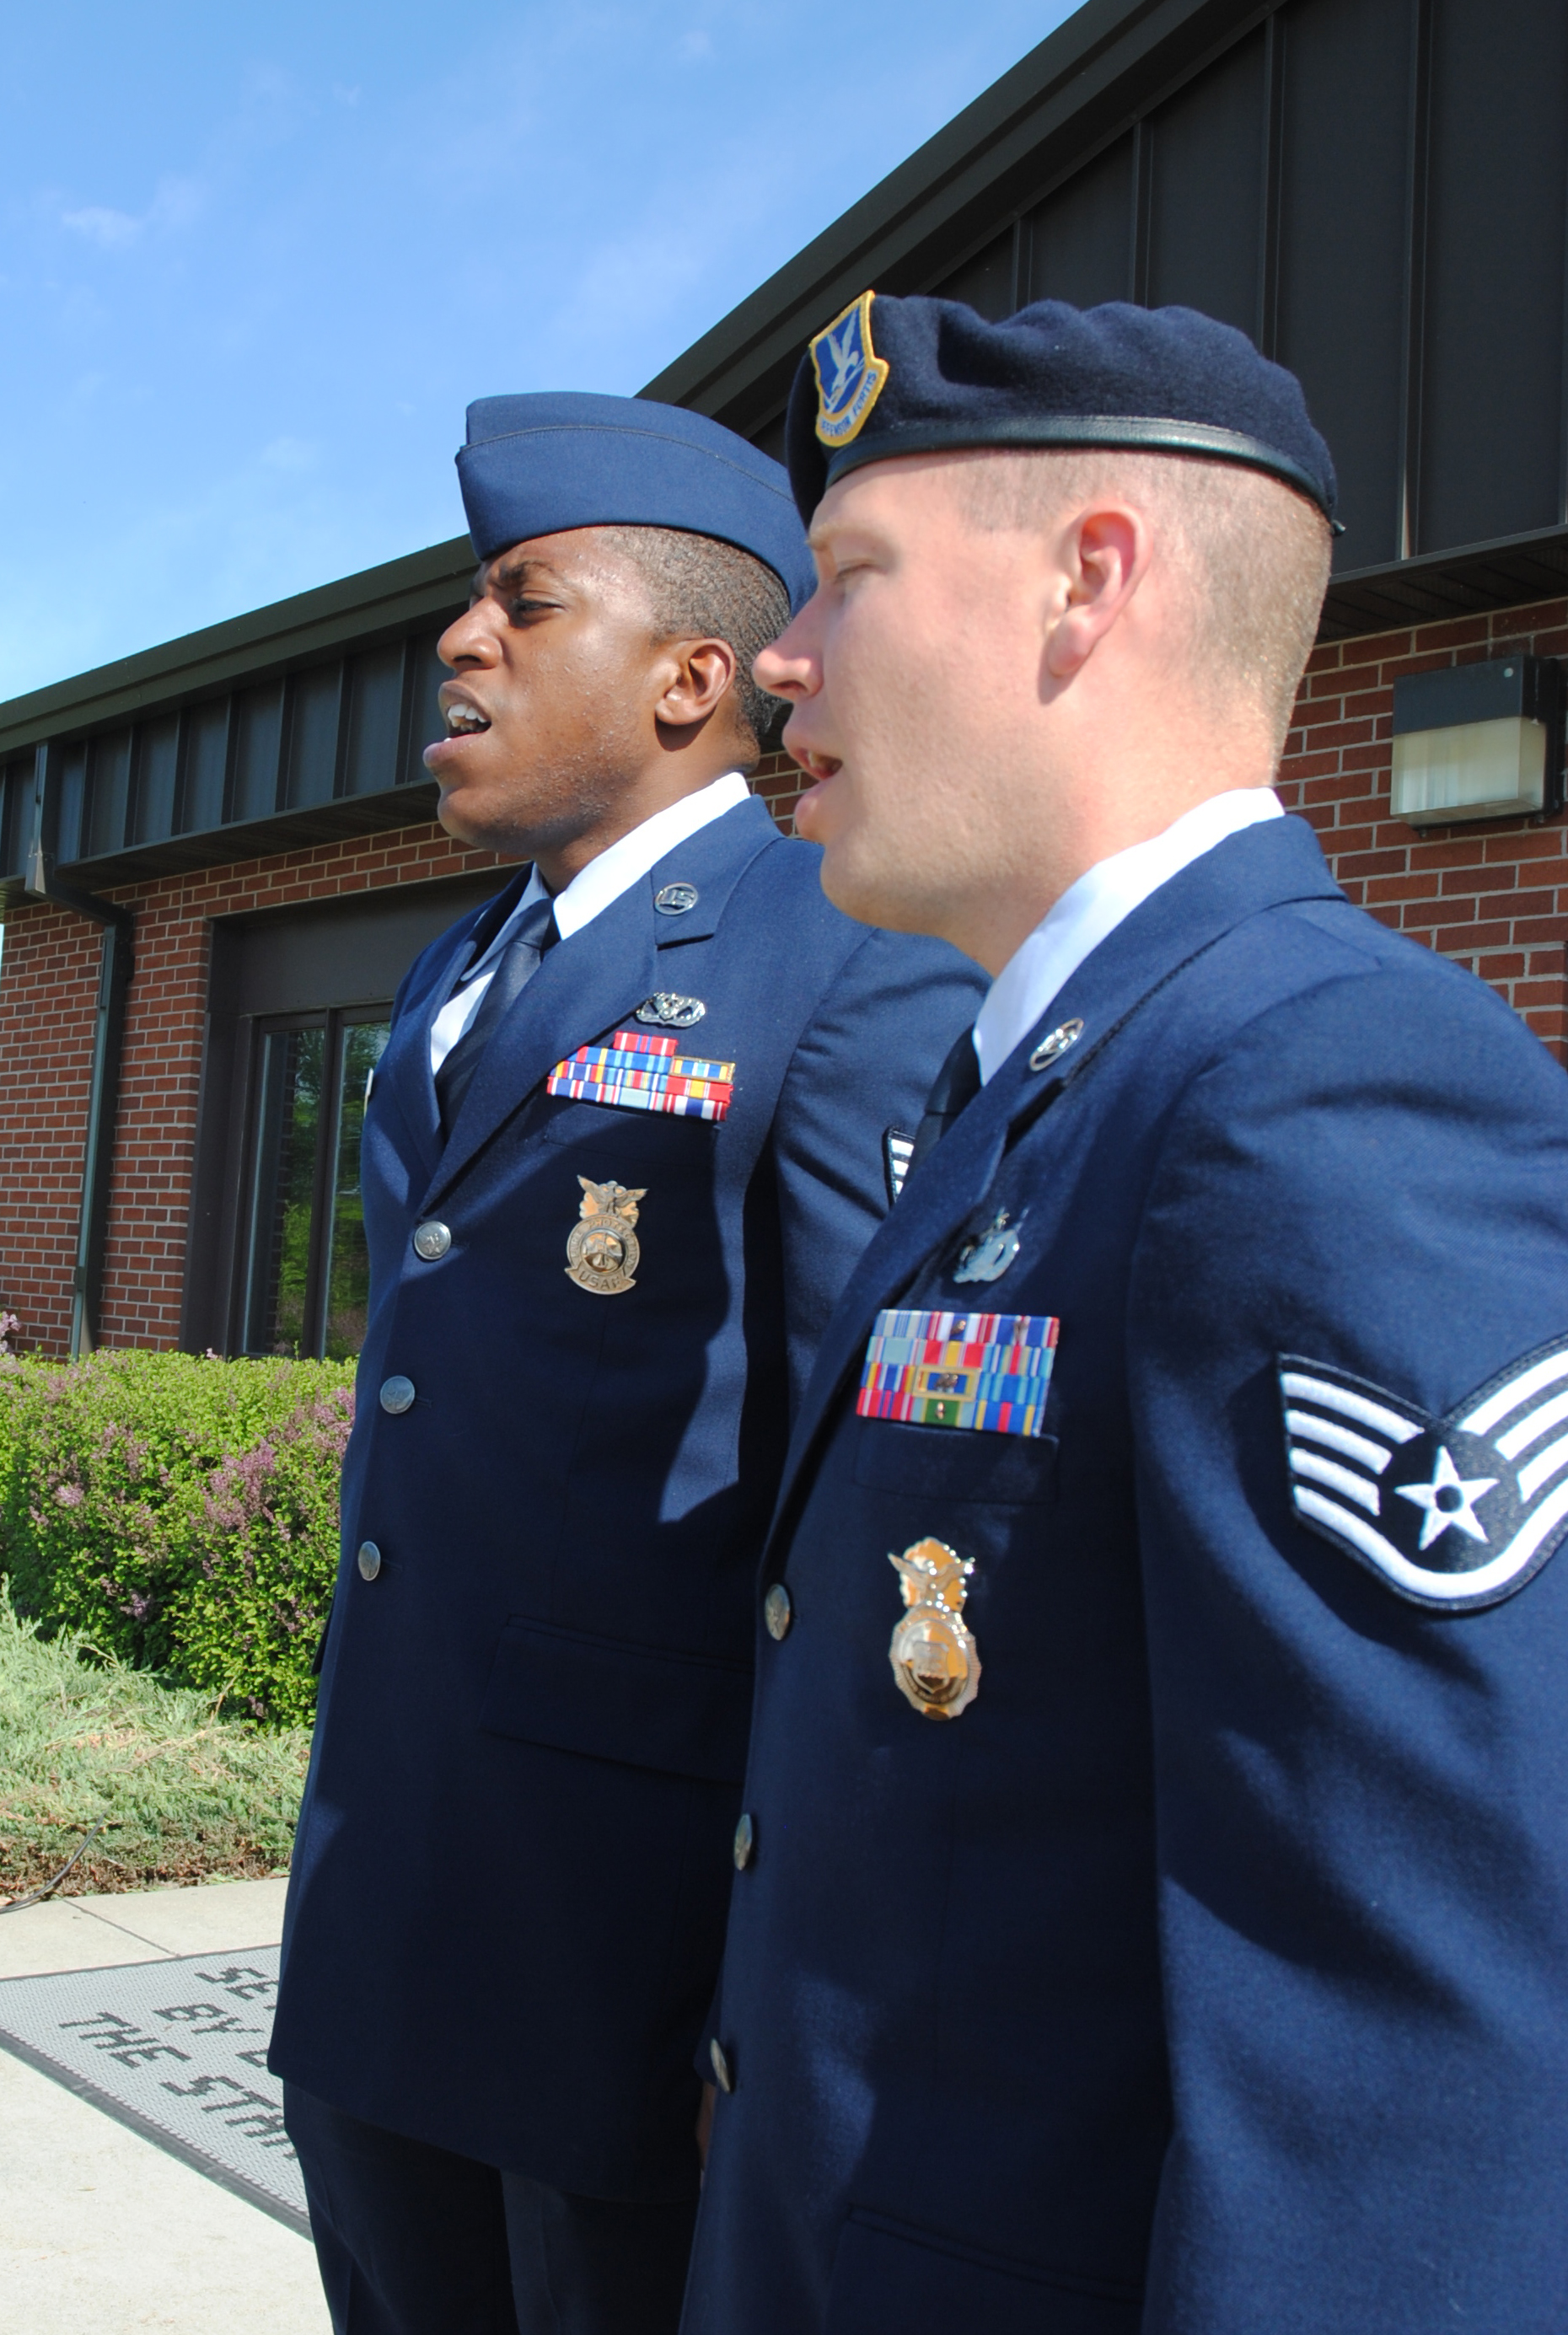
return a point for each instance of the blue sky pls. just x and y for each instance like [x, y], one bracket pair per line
[253, 262]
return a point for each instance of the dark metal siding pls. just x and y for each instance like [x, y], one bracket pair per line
[1080, 241]
[1376, 190]
[1342, 242]
[1206, 192]
[986, 281]
[175, 790]
[1490, 431]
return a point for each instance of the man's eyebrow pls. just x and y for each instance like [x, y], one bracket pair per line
[523, 570]
[506, 575]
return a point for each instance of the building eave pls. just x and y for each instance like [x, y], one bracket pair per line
[357, 612]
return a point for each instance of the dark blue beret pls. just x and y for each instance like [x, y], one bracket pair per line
[539, 465]
[920, 376]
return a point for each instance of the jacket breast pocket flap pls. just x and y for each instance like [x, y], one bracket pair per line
[680, 1714]
[886, 2273]
[636, 1143]
[955, 1463]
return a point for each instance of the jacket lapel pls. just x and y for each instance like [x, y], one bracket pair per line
[403, 1074]
[1262, 868]
[582, 986]
[587, 984]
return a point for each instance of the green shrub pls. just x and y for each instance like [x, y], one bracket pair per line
[180, 1794]
[178, 1513]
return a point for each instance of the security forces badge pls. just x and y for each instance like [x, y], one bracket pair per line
[1453, 1513]
[934, 1658]
[850, 372]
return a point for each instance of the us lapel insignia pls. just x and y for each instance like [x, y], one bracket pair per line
[602, 1252]
[1453, 1513]
[934, 1658]
[989, 1254]
[670, 1011]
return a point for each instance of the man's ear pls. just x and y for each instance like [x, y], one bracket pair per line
[1103, 555]
[703, 671]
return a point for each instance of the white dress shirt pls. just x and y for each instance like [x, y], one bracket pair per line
[603, 879]
[1091, 909]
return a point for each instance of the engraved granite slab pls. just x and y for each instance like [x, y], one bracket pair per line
[176, 2050]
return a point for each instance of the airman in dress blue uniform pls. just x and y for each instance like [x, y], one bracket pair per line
[635, 1122]
[1155, 1918]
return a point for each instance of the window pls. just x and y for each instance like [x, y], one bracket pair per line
[306, 1275]
[298, 1018]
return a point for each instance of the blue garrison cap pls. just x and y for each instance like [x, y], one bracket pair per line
[922, 376]
[539, 465]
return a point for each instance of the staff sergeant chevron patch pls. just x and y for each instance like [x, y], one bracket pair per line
[1453, 1513]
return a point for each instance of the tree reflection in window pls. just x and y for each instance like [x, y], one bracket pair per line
[348, 1271]
[307, 1282]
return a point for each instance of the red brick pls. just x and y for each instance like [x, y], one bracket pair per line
[1457, 632]
[1408, 887]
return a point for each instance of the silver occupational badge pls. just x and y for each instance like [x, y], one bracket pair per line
[934, 1658]
[1453, 1513]
[1055, 1044]
[989, 1254]
[670, 1011]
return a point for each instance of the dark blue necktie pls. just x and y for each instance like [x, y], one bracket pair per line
[520, 960]
[957, 1085]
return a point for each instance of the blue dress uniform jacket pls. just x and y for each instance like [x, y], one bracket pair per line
[508, 1898]
[1205, 1974]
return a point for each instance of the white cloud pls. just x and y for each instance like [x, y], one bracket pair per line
[175, 204]
[290, 454]
[107, 229]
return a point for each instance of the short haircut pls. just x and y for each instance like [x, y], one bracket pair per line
[702, 589]
[1251, 552]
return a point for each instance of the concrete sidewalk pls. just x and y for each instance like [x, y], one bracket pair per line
[102, 2232]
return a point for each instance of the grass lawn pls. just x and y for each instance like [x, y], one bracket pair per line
[186, 1794]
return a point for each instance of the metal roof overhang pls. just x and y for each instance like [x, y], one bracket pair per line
[380, 604]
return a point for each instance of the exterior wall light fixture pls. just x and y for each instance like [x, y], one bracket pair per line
[1479, 741]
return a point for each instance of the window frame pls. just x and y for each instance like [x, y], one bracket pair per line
[255, 1030]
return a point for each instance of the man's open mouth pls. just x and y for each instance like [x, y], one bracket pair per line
[464, 721]
[816, 766]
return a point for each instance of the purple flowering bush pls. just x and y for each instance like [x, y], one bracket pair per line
[179, 1512]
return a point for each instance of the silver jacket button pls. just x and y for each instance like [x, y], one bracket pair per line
[776, 1610]
[721, 2075]
[745, 1841]
[432, 1240]
[397, 1394]
[369, 1559]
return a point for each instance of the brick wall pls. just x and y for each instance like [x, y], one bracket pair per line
[48, 992]
[1493, 895]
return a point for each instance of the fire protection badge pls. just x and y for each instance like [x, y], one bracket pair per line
[602, 1250]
